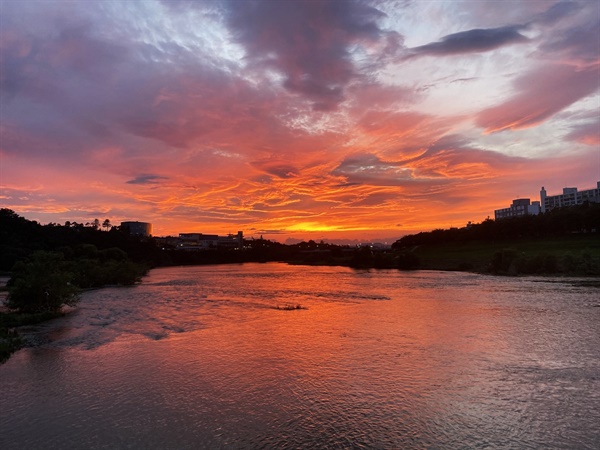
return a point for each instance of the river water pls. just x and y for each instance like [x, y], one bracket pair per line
[213, 357]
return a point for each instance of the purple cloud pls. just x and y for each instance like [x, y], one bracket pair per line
[577, 44]
[146, 178]
[471, 41]
[588, 133]
[306, 41]
[557, 12]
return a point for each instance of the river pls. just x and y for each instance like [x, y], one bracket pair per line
[278, 356]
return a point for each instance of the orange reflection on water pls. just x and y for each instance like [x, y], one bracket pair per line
[202, 357]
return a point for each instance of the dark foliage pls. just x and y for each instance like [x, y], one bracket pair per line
[556, 223]
[20, 237]
[408, 261]
[51, 263]
[510, 262]
[42, 283]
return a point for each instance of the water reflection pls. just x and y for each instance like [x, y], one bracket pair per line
[199, 357]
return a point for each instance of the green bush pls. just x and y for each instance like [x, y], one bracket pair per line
[41, 283]
[93, 273]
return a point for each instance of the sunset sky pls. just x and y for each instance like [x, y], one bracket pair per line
[295, 119]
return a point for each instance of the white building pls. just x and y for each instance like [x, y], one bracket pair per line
[520, 207]
[570, 197]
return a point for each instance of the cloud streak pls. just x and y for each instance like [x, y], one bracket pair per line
[471, 41]
[540, 94]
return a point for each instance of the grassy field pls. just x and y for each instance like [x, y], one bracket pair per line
[477, 256]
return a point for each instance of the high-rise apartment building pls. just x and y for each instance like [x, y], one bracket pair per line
[570, 197]
[520, 207]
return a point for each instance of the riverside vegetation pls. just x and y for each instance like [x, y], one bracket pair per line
[564, 241]
[50, 264]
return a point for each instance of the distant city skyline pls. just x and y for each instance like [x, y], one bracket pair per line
[296, 120]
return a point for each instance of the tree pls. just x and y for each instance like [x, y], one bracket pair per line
[106, 224]
[43, 283]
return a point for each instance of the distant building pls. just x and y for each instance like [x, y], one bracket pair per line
[231, 240]
[569, 197]
[167, 241]
[199, 241]
[137, 228]
[520, 207]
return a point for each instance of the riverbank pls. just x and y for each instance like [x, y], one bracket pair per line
[578, 255]
[9, 338]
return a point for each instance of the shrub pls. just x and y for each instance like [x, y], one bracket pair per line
[42, 283]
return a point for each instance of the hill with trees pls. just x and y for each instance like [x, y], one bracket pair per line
[562, 241]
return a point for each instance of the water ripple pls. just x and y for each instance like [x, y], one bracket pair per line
[197, 357]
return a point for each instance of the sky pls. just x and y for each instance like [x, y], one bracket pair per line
[295, 119]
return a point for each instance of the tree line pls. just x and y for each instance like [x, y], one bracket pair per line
[558, 222]
[50, 264]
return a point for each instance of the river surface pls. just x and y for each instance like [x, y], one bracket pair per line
[213, 357]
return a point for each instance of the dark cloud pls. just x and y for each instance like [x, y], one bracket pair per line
[307, 41]
[146, 178]
[80, 89]
[472, 41]
[50, 68]
[77, 50]
[557, 12]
